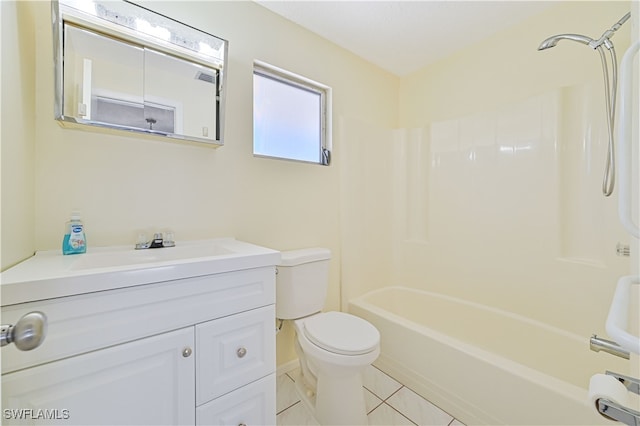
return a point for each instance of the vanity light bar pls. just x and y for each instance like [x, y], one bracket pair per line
[132, 23]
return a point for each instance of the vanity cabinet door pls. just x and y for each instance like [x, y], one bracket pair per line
[148, 381]
[234, 351]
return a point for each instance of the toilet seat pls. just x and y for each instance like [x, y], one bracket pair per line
[341, 333]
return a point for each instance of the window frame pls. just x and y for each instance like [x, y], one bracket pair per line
[289, 78]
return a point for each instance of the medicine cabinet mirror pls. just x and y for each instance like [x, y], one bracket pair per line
[121, 66]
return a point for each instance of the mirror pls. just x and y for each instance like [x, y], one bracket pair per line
[121, 66]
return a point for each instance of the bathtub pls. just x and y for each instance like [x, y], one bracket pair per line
[483, 365]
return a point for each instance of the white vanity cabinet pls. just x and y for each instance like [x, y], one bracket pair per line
[194, 350]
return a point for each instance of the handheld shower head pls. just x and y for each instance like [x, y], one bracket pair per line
[609, 87]
[604, 39]
[552, 41]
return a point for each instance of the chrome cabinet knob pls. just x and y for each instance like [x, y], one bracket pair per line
[186, 352]
[28, 333]
[241, 352]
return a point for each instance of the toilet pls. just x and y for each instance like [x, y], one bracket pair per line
[333, 348]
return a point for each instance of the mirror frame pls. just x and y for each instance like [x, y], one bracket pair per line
[71, 11]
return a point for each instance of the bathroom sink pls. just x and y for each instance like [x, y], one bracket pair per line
[116, 258]
[49, 274]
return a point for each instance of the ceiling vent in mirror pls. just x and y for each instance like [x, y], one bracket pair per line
[203, 76]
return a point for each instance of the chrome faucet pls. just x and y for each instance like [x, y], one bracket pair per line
[157, 242]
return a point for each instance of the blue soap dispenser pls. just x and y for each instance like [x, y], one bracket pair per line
[74, 241]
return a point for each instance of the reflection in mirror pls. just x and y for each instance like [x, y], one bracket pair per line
[124, 67]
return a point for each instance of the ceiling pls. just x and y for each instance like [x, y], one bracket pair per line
[404, 36]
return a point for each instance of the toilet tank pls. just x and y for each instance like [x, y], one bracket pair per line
[301, 283]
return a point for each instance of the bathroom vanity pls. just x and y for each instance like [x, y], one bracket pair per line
[181, 335]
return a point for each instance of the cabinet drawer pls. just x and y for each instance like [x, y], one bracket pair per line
[87, 322]
[234, 351]
[254, 404]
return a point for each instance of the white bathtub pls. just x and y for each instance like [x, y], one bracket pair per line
[483, 365]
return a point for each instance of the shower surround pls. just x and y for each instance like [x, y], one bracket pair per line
[502, 207]
[489, 190]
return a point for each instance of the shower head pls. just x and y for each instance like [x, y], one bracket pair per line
[609, 86]
[552, 41]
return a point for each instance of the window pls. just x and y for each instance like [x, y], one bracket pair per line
[290, 116]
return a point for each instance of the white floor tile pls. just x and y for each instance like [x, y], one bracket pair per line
[295, 416]
[379, 383]
[286, 394]
[418, 409]
[295, 373]
[371, 401]
[401, 407]
[385, 415]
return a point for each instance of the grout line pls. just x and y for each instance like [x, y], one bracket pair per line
[399, 412]
[425, 399]
[374, 394]
[374, 409]
[393, 378]
[392, 393]
[398, 390]
[382, 401]
[285, 409]
[287, 367]
[449, 414]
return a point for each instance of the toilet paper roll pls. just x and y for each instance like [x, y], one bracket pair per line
[602, 386]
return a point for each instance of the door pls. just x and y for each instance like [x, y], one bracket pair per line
[147, 381]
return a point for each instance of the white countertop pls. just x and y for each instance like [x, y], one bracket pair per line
[49, 274]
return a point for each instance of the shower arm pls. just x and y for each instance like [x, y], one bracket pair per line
[604, 39]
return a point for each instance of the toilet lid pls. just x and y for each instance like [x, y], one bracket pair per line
[341, 333]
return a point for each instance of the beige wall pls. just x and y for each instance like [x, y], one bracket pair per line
[17, 131]
[508, 67]
[123, 184]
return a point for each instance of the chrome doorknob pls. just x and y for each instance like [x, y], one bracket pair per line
[28, 333]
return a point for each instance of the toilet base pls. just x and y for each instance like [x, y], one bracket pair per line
[331, 383]
[336, 399]
[340, 401]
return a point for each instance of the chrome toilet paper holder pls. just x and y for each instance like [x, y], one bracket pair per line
[615, 411]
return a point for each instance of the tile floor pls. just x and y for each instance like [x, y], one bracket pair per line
[388, 403]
